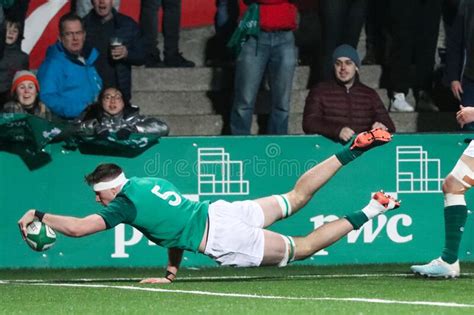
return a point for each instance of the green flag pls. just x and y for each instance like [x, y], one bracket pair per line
[248, 26]
[135, 144]
[33, 132]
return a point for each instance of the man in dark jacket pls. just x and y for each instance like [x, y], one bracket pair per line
[340, 108]
[117, 37]
[460, 56]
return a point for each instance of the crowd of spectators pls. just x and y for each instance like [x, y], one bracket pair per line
[85, 77]
[97, 47]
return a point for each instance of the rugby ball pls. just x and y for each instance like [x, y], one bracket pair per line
[40, 237]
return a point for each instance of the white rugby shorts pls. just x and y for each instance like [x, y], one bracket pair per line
[235, 234]
[470, 149]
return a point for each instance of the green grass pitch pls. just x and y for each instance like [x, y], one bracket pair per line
[372, 289]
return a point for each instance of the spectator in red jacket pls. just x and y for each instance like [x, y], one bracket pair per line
[274, 53]
[340, 108]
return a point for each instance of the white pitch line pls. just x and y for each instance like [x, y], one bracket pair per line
[191, 278]
[225, 277]
[254, 296]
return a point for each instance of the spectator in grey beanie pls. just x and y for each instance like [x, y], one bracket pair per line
[348, 52]
[343, 106]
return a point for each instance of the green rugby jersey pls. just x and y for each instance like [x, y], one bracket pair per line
[156, 208]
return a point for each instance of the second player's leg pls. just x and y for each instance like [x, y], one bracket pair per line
[455, 186]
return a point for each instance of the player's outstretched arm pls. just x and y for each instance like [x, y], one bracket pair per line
[70, 226]
[174, 260]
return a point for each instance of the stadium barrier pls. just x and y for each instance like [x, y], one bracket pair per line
[411, 168]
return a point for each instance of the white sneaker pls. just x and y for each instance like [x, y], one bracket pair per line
[438, 268]
[399, 104]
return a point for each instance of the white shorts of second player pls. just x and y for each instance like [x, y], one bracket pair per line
[461, 171]
[235, 235]
[470, 149]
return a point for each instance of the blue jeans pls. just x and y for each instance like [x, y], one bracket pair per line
[273, 53]
[467, 99]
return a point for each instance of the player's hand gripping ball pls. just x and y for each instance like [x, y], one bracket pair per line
[40, 237]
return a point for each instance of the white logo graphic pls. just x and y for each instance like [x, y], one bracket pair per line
[49, 135]
[219, 175]
[416, 173]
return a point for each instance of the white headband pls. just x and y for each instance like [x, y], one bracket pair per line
[118, 181]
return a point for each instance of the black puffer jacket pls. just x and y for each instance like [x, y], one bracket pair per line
[95, 121]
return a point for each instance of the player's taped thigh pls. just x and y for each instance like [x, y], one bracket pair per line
[463, 173]
[284, 204]
[289, 251]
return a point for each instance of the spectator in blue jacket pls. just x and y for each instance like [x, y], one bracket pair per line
[106, 27]
[69, 81]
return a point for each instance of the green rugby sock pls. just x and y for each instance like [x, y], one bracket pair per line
[347, 155]
[454, 220]
[357, 219]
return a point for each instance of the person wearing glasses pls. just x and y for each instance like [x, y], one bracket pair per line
[114, 114]
[68, 78]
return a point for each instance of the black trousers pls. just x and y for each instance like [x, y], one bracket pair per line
[171, 25]
[375, 24]
[342, 22]
[413, 28]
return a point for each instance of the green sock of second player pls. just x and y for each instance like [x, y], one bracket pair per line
[455, 219]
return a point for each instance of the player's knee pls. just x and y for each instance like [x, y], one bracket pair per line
[297, 199]
[448, 184]
[453, 191]
[452, 185]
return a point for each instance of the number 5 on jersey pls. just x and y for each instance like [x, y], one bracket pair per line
[173, 198]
